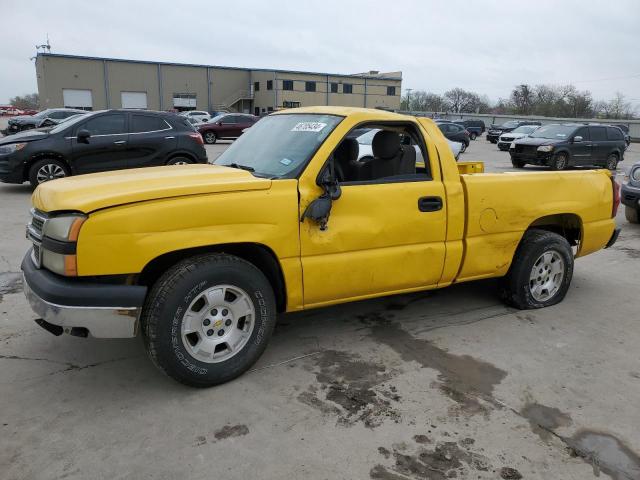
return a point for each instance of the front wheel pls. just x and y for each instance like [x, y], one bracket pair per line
[559, 161]
[208, 319]
[632, 214]
[210, 137]
[517, 163]
[463, 147]
[47, 170]
[180, 161]
[541, 271]
[473, 136]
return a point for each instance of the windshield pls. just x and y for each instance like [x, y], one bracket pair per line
[217, 118]
[279, 145]
[510, 124]
[42, 114]
[553, 132]
[525, 129]
[68, 122]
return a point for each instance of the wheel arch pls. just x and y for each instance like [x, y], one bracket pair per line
[567, 225]
[41, 156]
[259, 255]
[180, 153]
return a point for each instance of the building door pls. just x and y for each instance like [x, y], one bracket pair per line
[80, 99]
[133, 100]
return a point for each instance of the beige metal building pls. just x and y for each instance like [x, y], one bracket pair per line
[93, 83]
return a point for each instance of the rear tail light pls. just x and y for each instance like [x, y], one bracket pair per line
[197, 137]
[616, 197]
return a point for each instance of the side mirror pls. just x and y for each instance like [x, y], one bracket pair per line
[330, 185]
[577, 139]
[83, 136]
[318, 211]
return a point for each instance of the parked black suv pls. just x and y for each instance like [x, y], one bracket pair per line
[97, 142]
[495, 131]
[474, 127]
[562, 145]
[45, 118]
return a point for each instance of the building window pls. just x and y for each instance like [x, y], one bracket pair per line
[391, 91]
[334, 88]
[287, 84]
[290, 104]
[269, 109]
[269, 84]
[184, 101]
[309, 86]
[347, 88]
[256, 86]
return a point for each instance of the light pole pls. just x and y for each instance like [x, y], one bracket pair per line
[409, 98]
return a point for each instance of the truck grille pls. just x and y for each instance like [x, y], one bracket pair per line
[34, 233]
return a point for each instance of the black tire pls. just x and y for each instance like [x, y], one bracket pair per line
[493, 141]
[51, 165]
[612, 162]
[632, 214]
[517, 163]
[210, 137]
[179, 160]
[463, 147]
[173, 294]
[560, 161]
[473, 135]
[516, 285]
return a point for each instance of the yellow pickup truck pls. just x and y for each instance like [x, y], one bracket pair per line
[201, 258]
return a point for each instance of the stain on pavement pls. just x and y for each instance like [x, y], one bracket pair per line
[461, 377]
[544, 420]
[229, 431]
[606, 454]
[10, 282]
[352, 389]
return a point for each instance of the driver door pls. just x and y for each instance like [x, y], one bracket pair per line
[381, 238]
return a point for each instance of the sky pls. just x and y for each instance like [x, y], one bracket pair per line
[485, 46]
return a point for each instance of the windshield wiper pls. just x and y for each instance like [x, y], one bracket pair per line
[242, 167]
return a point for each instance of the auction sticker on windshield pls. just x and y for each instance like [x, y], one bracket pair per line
[309, 127]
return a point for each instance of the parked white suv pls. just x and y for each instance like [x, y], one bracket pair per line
[196, 116]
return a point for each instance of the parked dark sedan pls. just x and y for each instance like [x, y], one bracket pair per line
[474, 127]
[227, 125]
[630, 194]
[495, 131]
[97, 142]
[562, 145]
[44, 118]
[455, 133]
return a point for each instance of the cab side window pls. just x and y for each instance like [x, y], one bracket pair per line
[583, 132]
[381, 154]
[111, 124]
[598, 133]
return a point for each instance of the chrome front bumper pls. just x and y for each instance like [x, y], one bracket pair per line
[74, 305]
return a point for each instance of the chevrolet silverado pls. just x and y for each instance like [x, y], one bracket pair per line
[200, 258]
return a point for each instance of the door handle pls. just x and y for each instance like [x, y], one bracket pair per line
[429, 204]
[120, 142]
[169, 138]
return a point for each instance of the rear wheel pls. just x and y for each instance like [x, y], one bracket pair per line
[473, 135]
[541, 271]
[559, 161]
[208, 319]
[210, 137]
[612, 162]
[632, 214]
[46, 170]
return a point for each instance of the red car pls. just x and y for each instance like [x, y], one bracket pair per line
[226, 125]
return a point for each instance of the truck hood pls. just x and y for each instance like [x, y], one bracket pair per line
[87, 193]
[28, 136]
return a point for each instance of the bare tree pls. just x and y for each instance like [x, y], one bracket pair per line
[30, 101]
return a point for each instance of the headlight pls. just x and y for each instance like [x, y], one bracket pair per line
[635, 174]
[545, 148]
[12, 147]
[64, 228]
